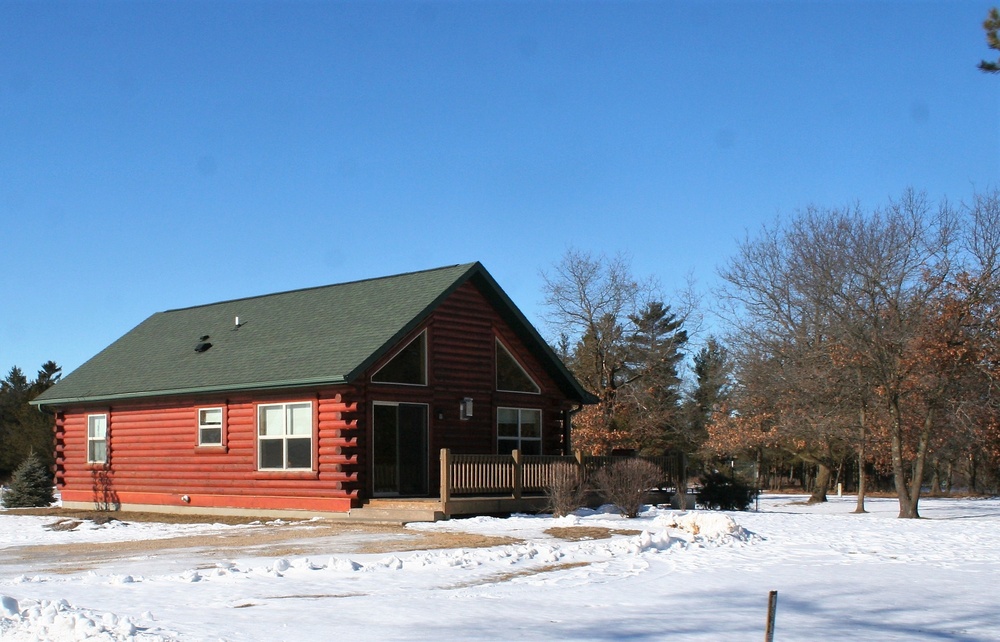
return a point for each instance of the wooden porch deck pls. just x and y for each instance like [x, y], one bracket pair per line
[430, 509]
[490, 485]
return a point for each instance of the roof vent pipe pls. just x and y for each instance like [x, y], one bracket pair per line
[237, 322]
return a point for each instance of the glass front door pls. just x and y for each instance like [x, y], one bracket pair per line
[400, 449]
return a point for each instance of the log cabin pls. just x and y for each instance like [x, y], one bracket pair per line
[312, 400]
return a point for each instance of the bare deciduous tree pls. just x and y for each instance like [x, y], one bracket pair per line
[827, 311]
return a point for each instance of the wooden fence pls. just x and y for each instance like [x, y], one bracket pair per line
[516, 474]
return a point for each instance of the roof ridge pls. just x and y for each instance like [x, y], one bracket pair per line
[321, 287]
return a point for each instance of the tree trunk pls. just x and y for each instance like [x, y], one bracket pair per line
[821, 485]
[935, 485]
[918, 464]
[949, 478]
[860, 508]
[861, 462]
[907, 508]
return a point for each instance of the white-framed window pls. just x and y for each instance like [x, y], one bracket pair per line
[519, 429]
[284, 436]
[210, 427]
[511, 377]
[97, 439]
[408, 366]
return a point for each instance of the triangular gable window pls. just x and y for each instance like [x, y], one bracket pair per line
[511, 377]
[409, 366]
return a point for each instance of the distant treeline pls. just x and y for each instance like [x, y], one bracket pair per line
[873, 335]
[851, 339]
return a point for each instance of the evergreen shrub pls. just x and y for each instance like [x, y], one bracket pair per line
[31, 485]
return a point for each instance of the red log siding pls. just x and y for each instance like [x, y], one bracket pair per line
[59, 430]
[154, 456]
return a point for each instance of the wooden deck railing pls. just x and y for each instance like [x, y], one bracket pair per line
[517, 474]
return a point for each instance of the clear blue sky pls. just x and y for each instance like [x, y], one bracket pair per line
[158, 155]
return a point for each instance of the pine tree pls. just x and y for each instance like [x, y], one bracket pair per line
[655, 351]
[712, 369]
[31, 485]
[48, 376]
[992, 26]
[23, 428]
[13, 396]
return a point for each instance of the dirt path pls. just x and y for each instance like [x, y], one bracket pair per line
[301, 538]
[249, 538]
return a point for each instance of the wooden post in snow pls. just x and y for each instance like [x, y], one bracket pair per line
[772, 606]
[445, 478]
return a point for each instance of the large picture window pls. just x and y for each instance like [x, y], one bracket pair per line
[97, 439]
[409, 366]
[210, 427]
[519, 429]
[284, 436]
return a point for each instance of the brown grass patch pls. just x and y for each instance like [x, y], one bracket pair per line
[436, 541]
[315, 596]
[63, 525]
[511, 575]
[69, 570]
[579, 533]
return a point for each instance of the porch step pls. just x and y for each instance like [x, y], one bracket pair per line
[403, 503]
[418, 509]
[399, 510]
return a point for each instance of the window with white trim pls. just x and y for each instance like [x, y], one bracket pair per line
[519, 429]
[210, 427]
[511, 377]
[284, 436]
[97, 439]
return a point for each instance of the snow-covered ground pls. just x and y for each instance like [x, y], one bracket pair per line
[685, 576]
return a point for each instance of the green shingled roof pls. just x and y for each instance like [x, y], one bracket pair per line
[324, 335]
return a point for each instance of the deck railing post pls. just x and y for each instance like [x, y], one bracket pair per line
[445, 479]
[518, 474]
